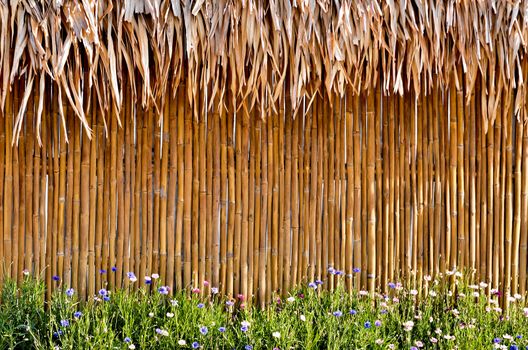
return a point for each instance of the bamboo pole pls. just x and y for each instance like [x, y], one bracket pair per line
[472, 185]
[420, 124]
[264, 229]
[313, 193]
[223, 199]
[357, 161]
[251, 204]
[519, 135]
[257, 131]
[287, 198]
[112, 233]
[206, 178]
[496, 199]
[379, 115]
[3, 175]
[84, 230]
[350, 119]
[163, 191]
[29, 179]
[508, 218]
[128, 243]
[138, 193]
[238, 204]
[216, 201]
[244, 196]
[306, 194]
[231, 197]
[17, 238]
[76, 239]
[438, 182]
[180, 282]
[453, 137]
[384, 214]
[173, 177]
[8, 190]
[371, 193]
[328, 242]
[524, 210]
[119, 263]
[100, 196]
[156, 178]
[145, 152]
[92, 272]
[321, 135]
[364, 192]
[195, 196]
[187, 199]
[279, 161]
[461, 179]
[391, 170]
[296, 176]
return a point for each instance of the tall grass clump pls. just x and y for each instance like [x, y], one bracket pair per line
[448, 313]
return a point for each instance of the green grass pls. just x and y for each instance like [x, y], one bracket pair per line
[309, 319]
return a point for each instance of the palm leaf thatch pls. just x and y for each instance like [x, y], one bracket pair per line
[85, 48]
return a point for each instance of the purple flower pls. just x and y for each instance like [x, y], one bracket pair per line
[248, 347]
[337, 313]
[222, 329]
[103, 292]
[128, 340]
[200, 306]
[56, 278]
[229, 303]
[65, 323]
[195, 345]
[102, 271]
[514, 347]
[163, 290]
[414, 348]
[352, 312]
[383, 312]
[57, 334]
[377, 323]
[106, 298]
[497, 340]
[203, 330]
[70, 292]
[312, 285]
[77, 314]
[339, 273]
[214, 290]
[391, 285]
[244, 329]
[367, 325]
[331, 270]
[356, 270]
[318, 282]
[114, 269]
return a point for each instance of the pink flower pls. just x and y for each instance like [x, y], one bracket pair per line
[196, 290]
[205, 283]
[241, 297]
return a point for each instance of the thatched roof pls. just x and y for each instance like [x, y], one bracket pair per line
[257, 48]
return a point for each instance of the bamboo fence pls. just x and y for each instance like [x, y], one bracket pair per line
[383, 188]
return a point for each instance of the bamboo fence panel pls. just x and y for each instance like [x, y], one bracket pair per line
[382, 188]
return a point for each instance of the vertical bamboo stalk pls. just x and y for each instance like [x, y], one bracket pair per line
[453, 138]
[364, 192]
[392, 172]
[251, 203]
[163, 191]
[342, 197]
[223, 199]
[206, 195]
[92, 272]
[279, 161]
[519, 135]
[379, 114]
[524, 210]
[328, 241]
[508, 218]
[8, 189]
[84, 213]
[413, 233]
[496, 200]
[173, 173]
[76, 204]
[243, 154]
[358, 261]
[3, 202]
[43, 199]
[287, 196]
[17, 237]
[112, 234]
[313, 192]
[257, 131]
[138, 195]
[371, 192]
[295, 175]
[187, 199]
[231, 198]
[238, 204]
[350, 119]
[483, 191]
[383, 240]
[128, 183]
[149, 115]
[100, 195]
[216, 200]
[306, 194]
[182, 183]
[443, 127]
[158, 138]
[264, 231]
[122, 235]
[48, 246]
[438, 182]
[472, 185]
[195, 196]
[145, 156]
[29, 178]
[421, 115]
[460, 181]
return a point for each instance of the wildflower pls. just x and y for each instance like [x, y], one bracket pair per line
[391, 285]
[241, 297]
[455, 312]
[206, 283]
[507, 337]
[132, 346]
[395, 300]
[196, 290]
[497, 340]
[25, 272]
[339, 273]
[131, 276]
[230, 303]
[476, 294]
[162, 332]
[483, 285]
[458, 274]
[56, 278]
[377, 323]
[473, 286]
[413, 292]
[514, 347]
[276, 335]
[391, 346]
[318, 282]
[517, 296]
[148, 280]
[433, 340]
[170, 315]
[337, 313]
[356, 270]
[379, 341]
[438, 331]
[414, 348]
[331, 270]
[244, 329]
[182, 342]
[363, 293]
[312, 285]
[367, 325]
[151, 314]
[248, 347]
[203, 330]
[419, 344]
[127, 340]
[106, 298]
[174, 302]
[408, 326]
[77, 314]
[432, 293]
[163, 290]
[291, 299]
[214, 290]
[102, 271]
[200, 306]
[114, 269]
[352, 312]
[70, 292]
[195, 345]
[221, 329]
[155, 276]
[65, 323]
[427, 278]
[303, 318]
